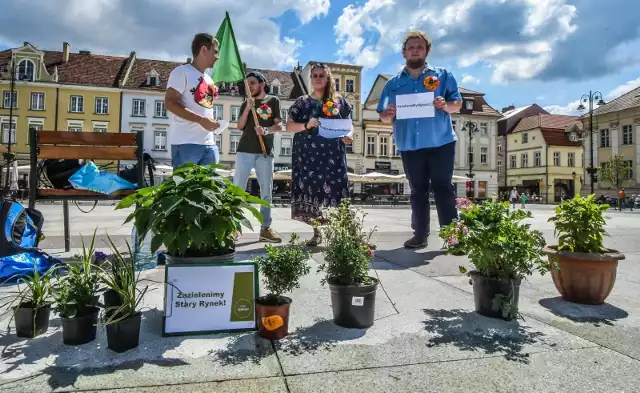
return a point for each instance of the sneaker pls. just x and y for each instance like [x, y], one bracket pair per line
[315, 241]
[416, 242]
[270, 236]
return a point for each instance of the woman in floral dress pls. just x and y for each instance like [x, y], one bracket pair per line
[319, 164]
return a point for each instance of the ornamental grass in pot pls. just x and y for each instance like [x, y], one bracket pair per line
[195, 213]
[347, 255]
[281, 270]
[503, 251]
[584, 271]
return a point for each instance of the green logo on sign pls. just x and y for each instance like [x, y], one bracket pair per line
[242, 309]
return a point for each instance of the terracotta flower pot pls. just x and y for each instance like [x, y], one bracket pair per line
[584, 278]
[273, 320]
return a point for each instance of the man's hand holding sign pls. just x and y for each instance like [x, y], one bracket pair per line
[411, 106]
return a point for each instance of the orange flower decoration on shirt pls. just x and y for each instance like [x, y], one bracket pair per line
[330, 109]
[431, 83]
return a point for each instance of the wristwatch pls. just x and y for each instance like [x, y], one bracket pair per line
[266, 130]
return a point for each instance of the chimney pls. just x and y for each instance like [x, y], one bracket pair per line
[66, 49]
[188, 60]
[508, 108]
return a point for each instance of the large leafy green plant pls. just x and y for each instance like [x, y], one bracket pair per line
[347, 253]
[497, 242]
[579, 225]
[194, 213]
[282, 268]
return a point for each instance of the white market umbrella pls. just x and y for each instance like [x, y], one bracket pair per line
[13, 177]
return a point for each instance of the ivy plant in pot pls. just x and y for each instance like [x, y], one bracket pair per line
[122, 317]
[195, 213]
[31, 303]
[76, 298]
[281, 270]
[346, 266]
[503, 251]
[584, 271]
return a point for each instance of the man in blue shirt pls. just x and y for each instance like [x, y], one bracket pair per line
[427, 144]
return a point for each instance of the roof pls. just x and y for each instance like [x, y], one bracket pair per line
[289, 86]
[625, 101]
[462, 90]
[480, 106]
[553, 128]
[141, 67]
[513, 112]
[556, 137]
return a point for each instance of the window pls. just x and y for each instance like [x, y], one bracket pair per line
[102, 105]
[468, 105]
[556, 158]
[395, 150]
[10, 100]
[629, 172]
[37, 101]
[36, 125]
[8, 132]
[99, 128]
[627, 135]
[76, 104]
[234, 140]
[470, 154]
[337, 81]
[284, 115]
[160, 140]
[571, 159]
[484, 128]
[285, 146]
[371, 145]
[350, 88]
[482, 189]
[524, 160]
[75, 126]
[275, 90]
[26, 71]
[235, 113]
[218, 139]
[537, 159]
[384, 146]
[453, 125]
[161, 111]
[483, 155]
[500, 146]
[153, 81]
[349, 148]
[512, 161]
[525, 138]
[217, 112]
[604, 138]
[573, 137]
[138, 108]
[499, 166]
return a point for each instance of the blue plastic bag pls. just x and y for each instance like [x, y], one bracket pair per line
[90, 178]
[23, 264]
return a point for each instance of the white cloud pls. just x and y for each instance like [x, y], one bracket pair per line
[623, 89]
[160, 29]
[570, 109]
[470, 31]
[470, 79]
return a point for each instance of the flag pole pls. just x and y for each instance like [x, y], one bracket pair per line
[255, 119]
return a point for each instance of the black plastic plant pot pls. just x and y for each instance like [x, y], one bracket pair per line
[31, 321]
[112, 299]
[80, 329]
[124, 335]
[492, 295]
[354, 306]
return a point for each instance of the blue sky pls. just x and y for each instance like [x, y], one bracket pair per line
[517, 52]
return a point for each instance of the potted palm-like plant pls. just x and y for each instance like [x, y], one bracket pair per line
[31, 303]
[347, 255]
[281, 270]
[76, 298]
[503, 251]
[195, 213]
[584, 270]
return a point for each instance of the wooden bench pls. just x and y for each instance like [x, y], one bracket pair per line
[80, 145]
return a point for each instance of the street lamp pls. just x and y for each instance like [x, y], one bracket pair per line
[591, 98]
[470, 128]
[8, 155]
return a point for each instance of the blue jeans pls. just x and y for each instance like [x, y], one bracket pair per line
[245, 162]
[198, 154]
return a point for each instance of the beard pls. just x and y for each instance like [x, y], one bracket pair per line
[415, 64]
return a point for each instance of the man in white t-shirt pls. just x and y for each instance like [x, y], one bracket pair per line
[189, 99]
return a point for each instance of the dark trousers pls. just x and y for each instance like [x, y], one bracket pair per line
[425, 168]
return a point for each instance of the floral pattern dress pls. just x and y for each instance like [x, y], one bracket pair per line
[319, 165]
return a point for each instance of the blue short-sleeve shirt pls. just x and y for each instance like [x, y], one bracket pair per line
[415, 134]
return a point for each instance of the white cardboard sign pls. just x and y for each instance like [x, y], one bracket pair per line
[415, 106]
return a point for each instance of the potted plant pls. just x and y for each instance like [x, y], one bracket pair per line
[453, 243]
[76, 298]
[584, 270]
[195, 213]
[122, 316]
[503, 251]
[281, 270]
[31, 304]
[347, 255]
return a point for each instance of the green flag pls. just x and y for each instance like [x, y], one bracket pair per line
[228, 68]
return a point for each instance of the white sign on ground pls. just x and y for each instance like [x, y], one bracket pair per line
[209, 298]
[415, 106]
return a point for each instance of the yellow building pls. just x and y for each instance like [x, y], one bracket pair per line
[544, 157]
[58, 91]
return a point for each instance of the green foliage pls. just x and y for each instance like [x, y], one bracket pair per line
[579, 224]
[347, 253]
[282, 268]
[194, 213]
[77, 290]
[616, 172]
[496, 241]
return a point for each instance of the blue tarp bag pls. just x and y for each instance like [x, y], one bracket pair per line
[90, 178]
[21, 228]
[23, 264]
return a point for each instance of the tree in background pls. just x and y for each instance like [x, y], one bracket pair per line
[617, 172]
